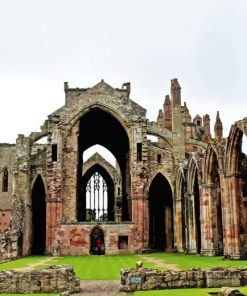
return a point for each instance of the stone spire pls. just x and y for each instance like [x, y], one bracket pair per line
[206, 124]
[160, 117]
[167, 111]
[218, 127]
[186, 114]
[177, 128]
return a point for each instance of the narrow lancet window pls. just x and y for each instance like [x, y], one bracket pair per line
[5, 180]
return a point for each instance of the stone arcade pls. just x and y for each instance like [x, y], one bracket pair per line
[186, 192]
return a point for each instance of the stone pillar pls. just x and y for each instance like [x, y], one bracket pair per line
[21, 209]
[191, 228]
[140, 220]
[230, 214]
[54, 196]
[178, 224]
[208, 219]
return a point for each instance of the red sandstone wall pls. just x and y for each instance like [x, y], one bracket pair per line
[5, 218]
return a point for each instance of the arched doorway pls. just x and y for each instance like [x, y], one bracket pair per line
[38, 217]
[197, 213]
[97, 241]
[96, 202]
[100, 127]
[160, 214]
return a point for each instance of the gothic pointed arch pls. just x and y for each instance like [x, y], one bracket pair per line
[180, 208]
[161, 235]
[96, 202]
[212, 201]
[193, 203]
[38, 217]
[97, 241]
[98, 126]
[236, 186]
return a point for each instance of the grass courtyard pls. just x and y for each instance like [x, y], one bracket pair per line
[108, 267]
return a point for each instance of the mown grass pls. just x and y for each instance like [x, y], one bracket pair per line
[19, 263]
[99, 267]
[183, 292]
[108, 267]
[192, 261]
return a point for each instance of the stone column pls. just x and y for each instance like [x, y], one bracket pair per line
[54, 185]
[140, 220]
[191, 228]
[207, 219]
[230, 213]
[178, 224]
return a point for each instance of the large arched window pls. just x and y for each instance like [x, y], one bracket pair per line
[96, 198]
[96, 201]
[5, 180]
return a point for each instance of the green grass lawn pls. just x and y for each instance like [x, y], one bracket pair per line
[100, 267]
[191, 261]
[108, 267]
[182, 292]
[23, 262]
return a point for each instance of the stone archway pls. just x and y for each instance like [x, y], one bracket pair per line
[97, 241]
[38, 218]
[100, 127]
[193, 206]
[161, 235]
[234, 192]
[180, 212]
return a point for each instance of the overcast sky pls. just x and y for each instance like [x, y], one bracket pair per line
[43, 43]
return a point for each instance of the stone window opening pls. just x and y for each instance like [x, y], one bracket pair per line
[5, 180]
[159, 158]
[139, 152]
[123, 242]
[54, 152]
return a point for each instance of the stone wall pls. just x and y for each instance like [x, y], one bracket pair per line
[54, 279]
[151, 279]
[75, 238]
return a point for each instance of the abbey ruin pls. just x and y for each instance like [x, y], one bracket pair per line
[185, 192]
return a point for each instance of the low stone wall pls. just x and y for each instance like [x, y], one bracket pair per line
[54, 279]
[152, 279]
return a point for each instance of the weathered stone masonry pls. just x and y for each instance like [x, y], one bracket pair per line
[152, 279]
[185, 191]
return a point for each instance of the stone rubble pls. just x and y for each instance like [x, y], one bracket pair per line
[54, 279]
